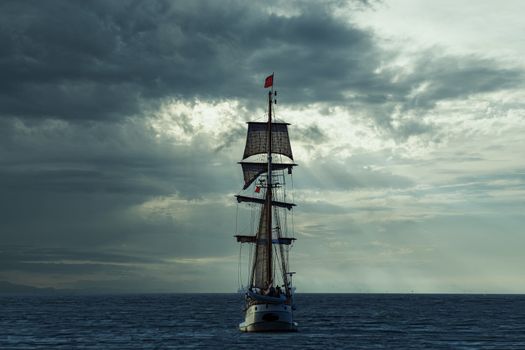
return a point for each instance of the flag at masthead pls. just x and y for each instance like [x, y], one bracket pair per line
[268, 81]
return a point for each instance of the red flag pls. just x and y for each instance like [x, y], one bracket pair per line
[268, 81]
[257, 189]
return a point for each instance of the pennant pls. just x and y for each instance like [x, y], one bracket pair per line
[268, 81]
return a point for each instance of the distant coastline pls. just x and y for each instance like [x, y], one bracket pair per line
[8, 288]
[12, 288]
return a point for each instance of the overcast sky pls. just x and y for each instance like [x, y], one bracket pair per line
[121, 123]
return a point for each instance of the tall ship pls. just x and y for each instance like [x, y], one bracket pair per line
[267, 167]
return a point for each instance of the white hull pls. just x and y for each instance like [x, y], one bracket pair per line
[269, 318]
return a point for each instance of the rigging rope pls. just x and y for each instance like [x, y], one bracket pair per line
[236, 217]
[293, 200]
[239, 277]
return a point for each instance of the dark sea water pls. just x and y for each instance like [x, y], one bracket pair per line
[209, 321]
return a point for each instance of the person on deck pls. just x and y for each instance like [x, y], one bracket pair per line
[266, 290]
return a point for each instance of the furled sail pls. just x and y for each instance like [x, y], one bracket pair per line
[257, 139]
[262, 201]
[253, 239]
[260, 265]
[252, 170]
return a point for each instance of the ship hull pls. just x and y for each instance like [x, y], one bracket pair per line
[268, 318]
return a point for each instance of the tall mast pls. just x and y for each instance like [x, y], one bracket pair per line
[269, 191]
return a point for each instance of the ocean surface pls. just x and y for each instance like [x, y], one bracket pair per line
[209, 321]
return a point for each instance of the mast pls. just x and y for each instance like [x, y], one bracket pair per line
[266, 137]
[269, 191]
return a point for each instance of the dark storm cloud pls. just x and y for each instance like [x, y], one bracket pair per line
[120, 157]
[448, 77]
[310, 134]
[434, 77]
[97, 60]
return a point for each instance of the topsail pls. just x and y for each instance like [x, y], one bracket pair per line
[257, 139]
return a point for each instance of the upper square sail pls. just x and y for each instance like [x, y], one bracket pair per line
[257, 139]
